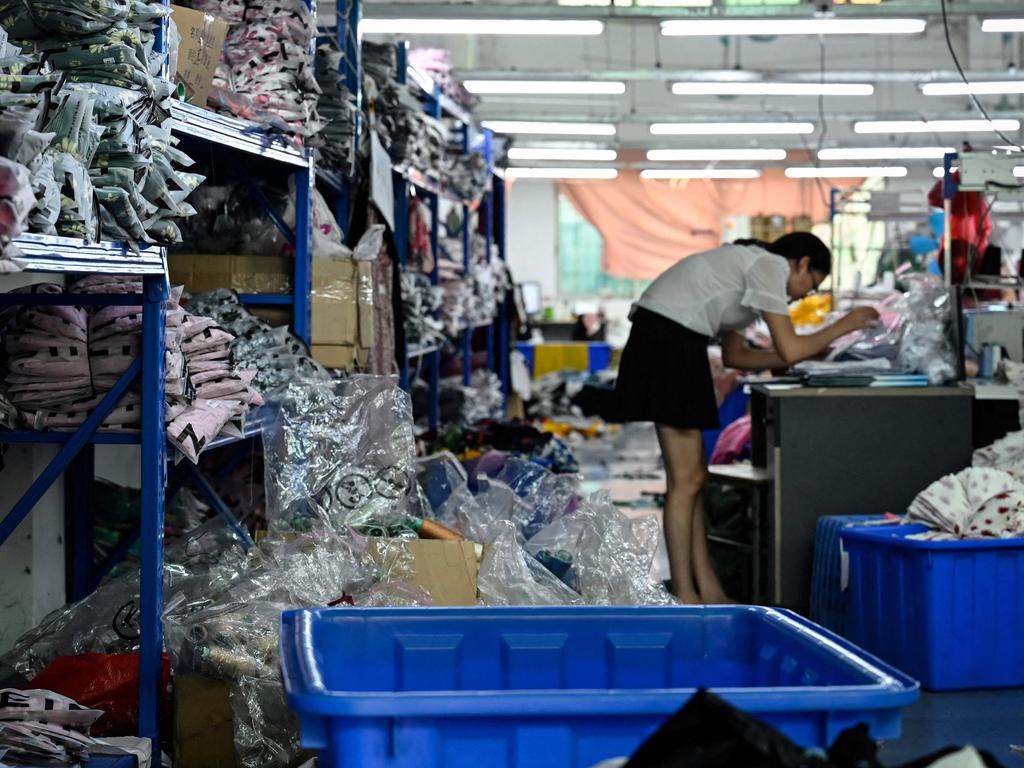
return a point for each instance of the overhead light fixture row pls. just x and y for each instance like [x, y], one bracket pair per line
[710, 155]
[934, 126]
[772, 89]
[1002, 25]
[732, 129]
[885, 153]
[561, 173]
[548, 27]
[562, 154]
[938, 172]
[700, 173]
[550, 128]
[776, 26]
[545, 87]
[846, 172]
[978, 88]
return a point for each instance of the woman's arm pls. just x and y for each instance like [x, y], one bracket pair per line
[792, 348]
[736, 354]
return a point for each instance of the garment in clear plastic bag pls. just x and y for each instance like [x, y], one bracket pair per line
[341, 453]
[510, 576]
[266, 730]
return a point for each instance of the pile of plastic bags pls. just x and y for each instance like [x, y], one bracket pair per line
[420, 302]
[337, 108]
[265, 74]
[437, 64]
[39, 727]
[102, 164]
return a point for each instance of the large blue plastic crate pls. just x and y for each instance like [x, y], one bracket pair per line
[828, 596]
[950, 613]
[563, 687]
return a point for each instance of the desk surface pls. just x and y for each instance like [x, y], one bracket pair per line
[864, 391]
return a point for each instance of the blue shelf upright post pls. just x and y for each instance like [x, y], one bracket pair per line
[401, 187]
[434, 358]
[154, 478]
[348, 13]
[467, 265]
[500, 193]
[487, 214]
[302, 280]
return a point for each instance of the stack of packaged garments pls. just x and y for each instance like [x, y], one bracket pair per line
[87, 77]
[230, 220]
[979, 502]
[437, 64]
[464, 173]
[420, 302]
[408, 134]
[265, 73]
[39, 727]
[273, 355]
[338, 110]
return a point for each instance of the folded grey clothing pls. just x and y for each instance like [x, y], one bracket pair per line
[70, 324]
[10, 418]
[24, 386]
[51, 399]
[218, 353]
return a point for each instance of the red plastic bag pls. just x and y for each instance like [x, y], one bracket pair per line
[109, 682]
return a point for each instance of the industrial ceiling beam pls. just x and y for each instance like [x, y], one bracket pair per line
[736, 76]
[490, 10]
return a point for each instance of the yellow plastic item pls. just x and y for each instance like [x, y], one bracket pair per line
[548, 358]
[811, 310]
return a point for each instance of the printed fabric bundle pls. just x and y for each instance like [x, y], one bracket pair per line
[979, 502]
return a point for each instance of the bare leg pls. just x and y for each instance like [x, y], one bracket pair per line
[707, 582]
[683, 454]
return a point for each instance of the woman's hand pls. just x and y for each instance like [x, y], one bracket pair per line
[861, 317]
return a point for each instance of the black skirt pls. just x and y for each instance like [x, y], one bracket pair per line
[665, 376]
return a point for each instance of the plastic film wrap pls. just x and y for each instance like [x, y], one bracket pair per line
[510, 576]
[342, 453]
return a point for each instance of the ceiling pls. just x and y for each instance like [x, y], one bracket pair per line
[632, 50]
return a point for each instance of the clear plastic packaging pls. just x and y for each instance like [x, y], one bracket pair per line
[266, 730]
[510, 576]
[341, 453]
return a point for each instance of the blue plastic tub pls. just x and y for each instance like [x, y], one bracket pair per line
[563, 687]
[950, 613]
[828, 591]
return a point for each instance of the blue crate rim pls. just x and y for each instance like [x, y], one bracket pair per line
[308, 693]
[896, 536]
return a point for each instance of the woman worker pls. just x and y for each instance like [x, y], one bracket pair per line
[665, 376]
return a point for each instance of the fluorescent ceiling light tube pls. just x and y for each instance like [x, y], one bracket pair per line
[481, 27]
[768, 27]
[679, 155]
[1018, 171]
[550, 128]
[742, 129]
[979, 88]
[561, 153]
[561, 173]
[772, 89]
[546, 87]
[934, 126]
[700, 173]
[885, 153]
[674, 3]
[846, 172]
[1002, 25]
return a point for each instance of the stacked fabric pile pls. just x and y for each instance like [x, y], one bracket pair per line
[114, 167]
[265, 74]
[420, 301]
[62, 360]
[464, 173]
[975, 503]
[40, 727]
[409, 135]
[273, 355]
[337, 108]
[437, 64]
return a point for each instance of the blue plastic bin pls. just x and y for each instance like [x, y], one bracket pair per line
[950, 613]
[828, 597]
[563, 687]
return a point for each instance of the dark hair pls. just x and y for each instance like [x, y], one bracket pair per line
[796, 245]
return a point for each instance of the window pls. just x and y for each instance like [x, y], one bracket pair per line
[580, 251]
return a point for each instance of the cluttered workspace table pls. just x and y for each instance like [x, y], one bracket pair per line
[847, 451]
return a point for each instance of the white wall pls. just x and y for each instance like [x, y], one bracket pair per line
[533, 234]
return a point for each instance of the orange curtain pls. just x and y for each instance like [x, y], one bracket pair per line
[648, 225]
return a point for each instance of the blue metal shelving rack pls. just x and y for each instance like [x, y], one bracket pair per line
[491, 208]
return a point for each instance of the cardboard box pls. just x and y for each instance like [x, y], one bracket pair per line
[204, 735]
[334, 306]
[446, 570]
[366, 291]
[202, 38]
[245, 274]
[334, 355]
[275, 316]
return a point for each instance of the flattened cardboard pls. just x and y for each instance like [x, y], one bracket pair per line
[202, 38]
[204, 736]
[335, 313]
